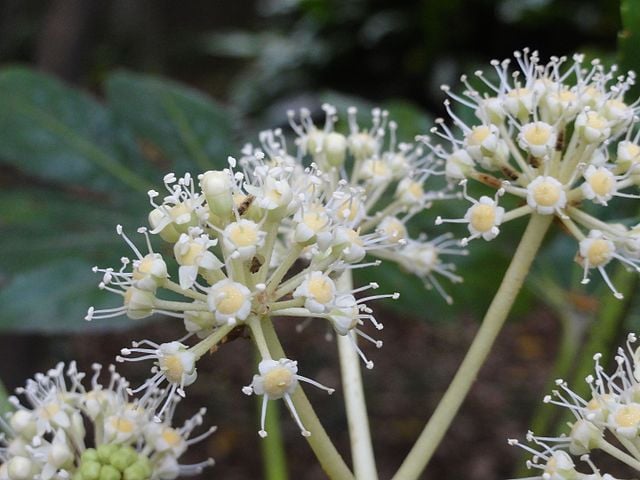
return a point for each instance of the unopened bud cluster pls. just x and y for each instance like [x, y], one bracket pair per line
[63, 430]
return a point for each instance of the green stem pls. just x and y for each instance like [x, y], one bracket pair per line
[274, 460]
[615, 452]
[326, 453]
[511, 284]
[202, 347]
[364, 463]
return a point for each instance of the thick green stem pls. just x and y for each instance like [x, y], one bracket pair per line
[326, 453]
[364, 464]
[511, 284]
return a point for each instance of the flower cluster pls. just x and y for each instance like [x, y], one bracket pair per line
[558, 136]
[64, 430]
[270, 236]
[608, 421]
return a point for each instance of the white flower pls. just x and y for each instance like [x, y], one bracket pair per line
[276, 380]
[122, 447]
[483, 217]
[458, 165]
[599, 185]
[229, 301]
[242, 238]
[192, 253]
[393, 230]
[537, 138]
[318, 291]
[593, 127]
[611, 412]
[173, 362]
[546, 195]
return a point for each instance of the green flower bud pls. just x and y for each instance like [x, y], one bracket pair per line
[140, 470]
[89, 469]
[108, 472]
[105, 452]
[123, 458]
[89, 455]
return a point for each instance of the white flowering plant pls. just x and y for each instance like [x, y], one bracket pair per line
[248, 242]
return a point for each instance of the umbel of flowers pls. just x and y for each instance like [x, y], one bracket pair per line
[268, 238]
[63, 430]
[608, 420]
[560, 137]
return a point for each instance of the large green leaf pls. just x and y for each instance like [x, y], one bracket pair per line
[52, 298]
[41, 225]
[629, 40]
[58, 134]
[180, 125]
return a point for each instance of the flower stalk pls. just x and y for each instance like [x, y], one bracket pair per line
[364, 463]
[330, 460]
[446, 410]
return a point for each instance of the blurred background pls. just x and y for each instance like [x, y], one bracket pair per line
[240, 64]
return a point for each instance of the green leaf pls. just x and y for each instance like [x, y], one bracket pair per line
[38, 225]
[411, 119]
[51, 299]
[5, 404]
[629, 41]
[181, 125]
[58, 134]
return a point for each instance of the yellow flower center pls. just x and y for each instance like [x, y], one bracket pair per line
[537, 134]
[594, 120]
[354, 237]
[243, 235]
[191, 255]
[478, 134]
[379, 169]
[277, 381]
[602, 182]
[566, 96]
[628, 416]
[178, 210]
[314, 220]
[632, 150]
[394, 230]
[483, 217]
[546, 194]
[599, 252]
[348, 210]
[170, 436]
[50, 410]
[517, 93]
[321, 289]
[122, 425]
[231, 299]
[144, 267]
[615, 104]
[415, 189]
[172, 367]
